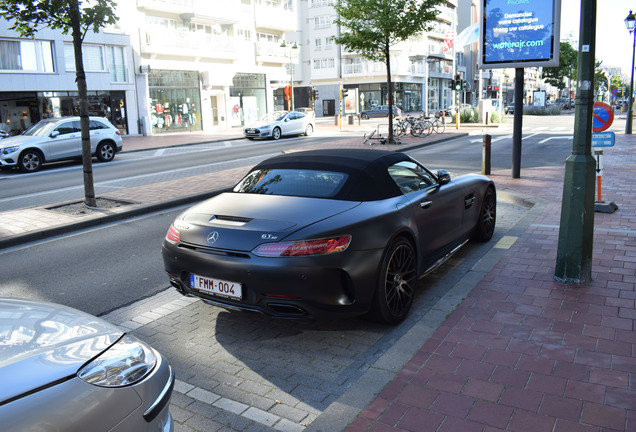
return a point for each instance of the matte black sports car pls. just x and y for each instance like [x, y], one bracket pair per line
[327, 232]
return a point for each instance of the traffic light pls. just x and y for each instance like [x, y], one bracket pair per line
[315, 94]
[458, 83]
[345, 92]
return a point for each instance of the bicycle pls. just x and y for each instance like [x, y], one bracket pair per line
[439, 125]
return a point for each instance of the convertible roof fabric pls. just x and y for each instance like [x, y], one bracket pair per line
[368, 178]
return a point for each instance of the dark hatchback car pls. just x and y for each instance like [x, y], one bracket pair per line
[327, 233]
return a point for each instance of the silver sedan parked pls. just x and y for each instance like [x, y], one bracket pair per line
[280, 123]
[65, 370]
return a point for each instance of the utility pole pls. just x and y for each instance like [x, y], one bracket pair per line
[517, 128]
[576, 232]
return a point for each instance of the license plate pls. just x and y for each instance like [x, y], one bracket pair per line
[251, 131]
[218, 287]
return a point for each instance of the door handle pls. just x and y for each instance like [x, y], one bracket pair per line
[426, 204]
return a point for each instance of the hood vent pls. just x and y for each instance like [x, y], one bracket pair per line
[229, 220]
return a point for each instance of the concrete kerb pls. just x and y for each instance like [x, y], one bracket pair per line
[101, 219]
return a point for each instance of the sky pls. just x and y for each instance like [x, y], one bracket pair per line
[614, 43]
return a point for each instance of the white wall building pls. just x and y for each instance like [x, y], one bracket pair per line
[207, 64]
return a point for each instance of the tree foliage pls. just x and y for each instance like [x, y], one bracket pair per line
[560, 76]
[76, 17]
[29, 16]
[600, 77]
[372, 27]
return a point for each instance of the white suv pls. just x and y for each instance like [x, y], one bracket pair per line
[57, 139]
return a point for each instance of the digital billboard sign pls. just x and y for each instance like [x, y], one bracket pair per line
[519, 33]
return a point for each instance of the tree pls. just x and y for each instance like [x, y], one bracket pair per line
[622, 86]
[77, 17]
[561, 76]
[600, 78]
[372, 27]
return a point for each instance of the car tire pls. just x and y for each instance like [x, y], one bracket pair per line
[364, 117]
[30, 161]
[487, 217]
[309, 130]
[276, 134]
[105, 151]
[396, 283]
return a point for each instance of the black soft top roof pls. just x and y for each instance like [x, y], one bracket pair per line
[368, 178]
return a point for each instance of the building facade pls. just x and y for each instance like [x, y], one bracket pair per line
[200, 65]
[422, 69]
[37, 78]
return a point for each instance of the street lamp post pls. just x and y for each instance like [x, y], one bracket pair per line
[291, 73]
[630, 22]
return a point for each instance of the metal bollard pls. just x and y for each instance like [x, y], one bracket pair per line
[485, 155]
[335, 119]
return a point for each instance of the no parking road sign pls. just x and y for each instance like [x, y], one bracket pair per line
[602, 117]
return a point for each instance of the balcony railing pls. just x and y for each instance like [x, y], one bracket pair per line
[175, 6]
[279, 18]
[272, 52]
[183, 42]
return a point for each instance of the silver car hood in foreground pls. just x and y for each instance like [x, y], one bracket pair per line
[50, 341]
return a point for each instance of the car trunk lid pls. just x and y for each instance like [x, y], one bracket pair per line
[243, 221]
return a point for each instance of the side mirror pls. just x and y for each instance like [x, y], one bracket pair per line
[54, 133]
[443, 177]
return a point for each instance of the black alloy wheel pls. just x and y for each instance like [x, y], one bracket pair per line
[396, 284]
[487, 217]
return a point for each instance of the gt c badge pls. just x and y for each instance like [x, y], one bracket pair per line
[212, 237]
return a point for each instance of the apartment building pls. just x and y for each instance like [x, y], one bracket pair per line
[422, 69]
[37, 78]
[207, 64]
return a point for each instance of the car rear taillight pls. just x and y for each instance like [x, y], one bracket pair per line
[118, 132]
[173, 235]
[304, 247]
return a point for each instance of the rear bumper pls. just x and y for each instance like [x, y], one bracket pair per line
[340, 285]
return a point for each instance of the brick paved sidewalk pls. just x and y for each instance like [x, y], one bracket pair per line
[523, 352]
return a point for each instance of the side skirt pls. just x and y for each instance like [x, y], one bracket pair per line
[443, 259]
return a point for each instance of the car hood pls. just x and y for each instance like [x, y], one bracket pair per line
[259, 124]
[41, 343]
[243, 221]
[19, 139]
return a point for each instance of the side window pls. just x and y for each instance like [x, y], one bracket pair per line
[94, 125]
[411, 177]
[67, 128]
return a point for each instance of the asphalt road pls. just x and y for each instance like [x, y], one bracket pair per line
[63, 181]
[95, 270]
